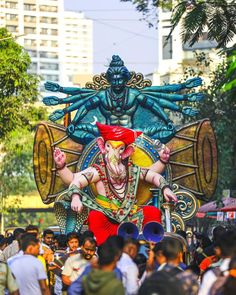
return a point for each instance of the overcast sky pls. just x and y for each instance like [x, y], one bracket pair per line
[117, 30]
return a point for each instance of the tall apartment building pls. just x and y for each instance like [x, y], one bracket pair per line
[173, 56]
[47, 37]
[78, 61]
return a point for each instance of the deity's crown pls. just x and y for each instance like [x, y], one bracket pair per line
[118, 133]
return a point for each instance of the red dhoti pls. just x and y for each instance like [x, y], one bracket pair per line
[103, 227]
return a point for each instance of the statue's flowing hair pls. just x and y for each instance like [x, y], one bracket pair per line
[117, 67]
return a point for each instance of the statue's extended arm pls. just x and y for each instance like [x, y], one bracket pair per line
[54, 100]
[159, 181]
[80, 105]
[164, 156]
[157, 106]
[194, 82]
[90, 104]
[81, 179]
[54, 87]
[175, 97]
[153, 106]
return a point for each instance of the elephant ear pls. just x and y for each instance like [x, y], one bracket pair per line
[127, 152]
[101, 145]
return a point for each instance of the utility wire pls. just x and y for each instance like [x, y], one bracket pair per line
[124, 30]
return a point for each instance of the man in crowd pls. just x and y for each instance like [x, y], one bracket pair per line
[28, 270]
[14, 247]
[227, 248]
[102, 280]
[48, 236]
[128, 267]
[76, 264]
[7, 280]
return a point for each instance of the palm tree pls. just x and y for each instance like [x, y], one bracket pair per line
[216, 17]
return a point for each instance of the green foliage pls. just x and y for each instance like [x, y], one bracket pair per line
[18, 88]
[42, 219]
[220, 107]
[218, 17]
[18, 117]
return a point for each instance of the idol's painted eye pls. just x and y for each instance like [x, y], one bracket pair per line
[122, 149]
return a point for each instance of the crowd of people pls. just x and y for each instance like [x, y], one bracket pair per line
[74, 264]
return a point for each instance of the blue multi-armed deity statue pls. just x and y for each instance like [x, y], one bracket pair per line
[119, 178]
[118, 104]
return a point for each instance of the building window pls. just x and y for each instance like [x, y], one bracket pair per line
[12, 29]
[51, 77]
[49, 66]
[10, 4]
[44, 31]
[30, 19]
[46, 54]
[12, 17]
[29, 30]
[30, 42]
[167, 47]
[54, 44]
[30, 7]
[48, 8]
[48, 20]
[32, 53]
[54, 32]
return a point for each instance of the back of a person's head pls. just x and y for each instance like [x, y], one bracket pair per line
[3, 242]
[217, 232]
[27, 240]
[48, 232]
[161, 283]
[10, 239]
[31, 228]
[158, 247]
[227, 244]
[116, 241]
[18, 232]
[106, 253]
[62, 241]
[171, 248]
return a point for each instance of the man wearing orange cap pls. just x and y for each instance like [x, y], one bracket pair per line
[116, 179]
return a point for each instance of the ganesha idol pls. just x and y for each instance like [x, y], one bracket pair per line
[116, 180]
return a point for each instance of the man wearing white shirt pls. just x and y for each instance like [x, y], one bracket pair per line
[128, 268]
[227, 248]
[28, 270]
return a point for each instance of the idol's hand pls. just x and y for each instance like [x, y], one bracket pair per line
[164, 154]
[52, 86]
[195, 96]
[194, 82]
[51, 100]
[169, 195]
[56, 115]
[188, 111]
[59, 158]
[76, 204]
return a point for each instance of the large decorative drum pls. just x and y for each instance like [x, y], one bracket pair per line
[49, 136]
[194, 159]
